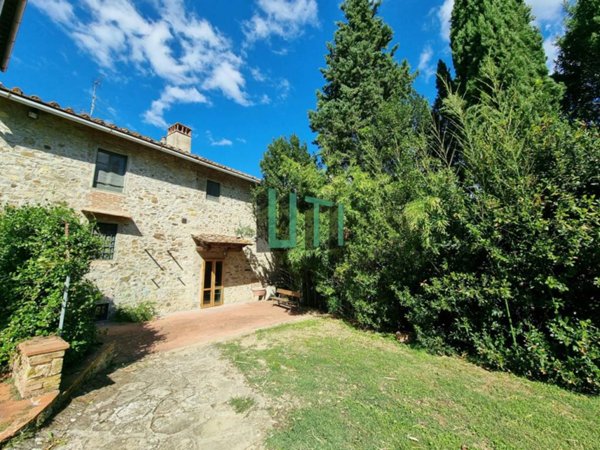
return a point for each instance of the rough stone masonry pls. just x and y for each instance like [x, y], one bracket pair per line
[48, 159]
[37, 369]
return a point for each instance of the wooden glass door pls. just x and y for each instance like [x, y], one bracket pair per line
[212, 284]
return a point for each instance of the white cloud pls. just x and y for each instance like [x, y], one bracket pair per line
[258, 75]
[185, 51]
[218, 142]
[227, 78]
[549, 15]
[265, 100]
[284, 87]
[60, 11]
[445, 17]
[425, 67]
[170, 96]
[551, 49]
[546, 10]
[222, 143]
[282, 18]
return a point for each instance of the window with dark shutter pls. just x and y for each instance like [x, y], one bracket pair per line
[110, 171]
[108, 233]
[213, 189]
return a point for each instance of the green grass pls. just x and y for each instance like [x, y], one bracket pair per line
[241, 404]
[341, 388]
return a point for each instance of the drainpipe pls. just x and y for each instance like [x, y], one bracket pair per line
[63, 309]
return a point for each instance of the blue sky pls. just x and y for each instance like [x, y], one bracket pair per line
[239, 72]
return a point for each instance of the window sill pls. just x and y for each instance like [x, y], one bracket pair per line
[108, 191]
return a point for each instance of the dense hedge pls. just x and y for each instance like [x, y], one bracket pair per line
[495, 256]
[33, 268]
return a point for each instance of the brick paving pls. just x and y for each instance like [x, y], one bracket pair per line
[181, 329]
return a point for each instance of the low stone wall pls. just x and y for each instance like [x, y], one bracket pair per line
[38, 367]
[30, 414]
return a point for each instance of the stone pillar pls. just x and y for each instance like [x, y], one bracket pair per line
[37, 369]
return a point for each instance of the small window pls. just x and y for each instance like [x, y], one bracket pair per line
[110, 171]
[101, 312]
[213, 189]
[108, 233]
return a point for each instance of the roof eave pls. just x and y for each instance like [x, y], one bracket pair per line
[18, 17]
[82, 121]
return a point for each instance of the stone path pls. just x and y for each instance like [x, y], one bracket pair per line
[169, 400]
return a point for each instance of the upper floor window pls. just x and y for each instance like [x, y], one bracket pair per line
[213, 189]
[108, 233]
[110, 171]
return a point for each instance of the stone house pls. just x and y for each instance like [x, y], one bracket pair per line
[179, 229]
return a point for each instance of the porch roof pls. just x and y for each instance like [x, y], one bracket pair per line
[207, 242]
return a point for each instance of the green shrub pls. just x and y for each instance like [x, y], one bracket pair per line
[33, 268]
[495, 257]
[514, 283]
[142, 312]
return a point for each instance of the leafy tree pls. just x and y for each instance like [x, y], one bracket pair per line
[371, 124]
[495, 256]
[515, 281]
[287, 166]
[498, 33]
[33, 268]
[578, 65]
[363, 81]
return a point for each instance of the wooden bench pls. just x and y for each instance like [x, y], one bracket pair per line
[286, 298]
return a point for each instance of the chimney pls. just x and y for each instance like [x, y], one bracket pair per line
[180, 137]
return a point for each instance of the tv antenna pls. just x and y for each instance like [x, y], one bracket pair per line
[97, 84]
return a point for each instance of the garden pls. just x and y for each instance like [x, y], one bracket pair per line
[472, 225]
[471, 231]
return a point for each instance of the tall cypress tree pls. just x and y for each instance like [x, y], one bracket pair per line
[499, 34]
[442, 142]
[579, 61]
[443, 85]
[363, 81]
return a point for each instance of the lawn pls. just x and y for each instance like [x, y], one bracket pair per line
[335, 387]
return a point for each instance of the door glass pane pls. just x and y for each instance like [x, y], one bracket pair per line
[207, 274]
[206, 298]
[218, 295]
[219, 273]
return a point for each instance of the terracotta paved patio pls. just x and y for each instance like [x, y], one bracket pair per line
[133, 406]
[181, 329]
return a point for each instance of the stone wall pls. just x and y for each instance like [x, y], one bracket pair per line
[37, 369]
[51, 160]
